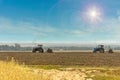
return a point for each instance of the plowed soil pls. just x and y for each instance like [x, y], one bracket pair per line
[64, 58]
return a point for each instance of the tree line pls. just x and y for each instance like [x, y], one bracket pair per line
[17, 47]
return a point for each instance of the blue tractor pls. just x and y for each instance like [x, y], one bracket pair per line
[99, 49]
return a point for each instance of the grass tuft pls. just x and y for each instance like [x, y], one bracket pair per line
[12, 71]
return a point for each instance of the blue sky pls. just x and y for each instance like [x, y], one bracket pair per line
[59, 20]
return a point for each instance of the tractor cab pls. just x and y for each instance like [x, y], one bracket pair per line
[100, 46]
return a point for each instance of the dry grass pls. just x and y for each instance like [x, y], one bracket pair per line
[13, 71]
[108, 75]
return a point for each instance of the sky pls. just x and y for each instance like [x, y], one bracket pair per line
[65, 21]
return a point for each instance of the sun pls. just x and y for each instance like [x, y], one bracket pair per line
[93, 14]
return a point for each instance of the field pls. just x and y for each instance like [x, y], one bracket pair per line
[64, 58]
[59, 66]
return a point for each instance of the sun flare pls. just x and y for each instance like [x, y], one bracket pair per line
[93, 14]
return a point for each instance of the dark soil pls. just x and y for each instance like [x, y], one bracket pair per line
[64, 58]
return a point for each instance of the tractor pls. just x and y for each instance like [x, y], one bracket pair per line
[38, 49]
[99, 49]
[41, 50]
